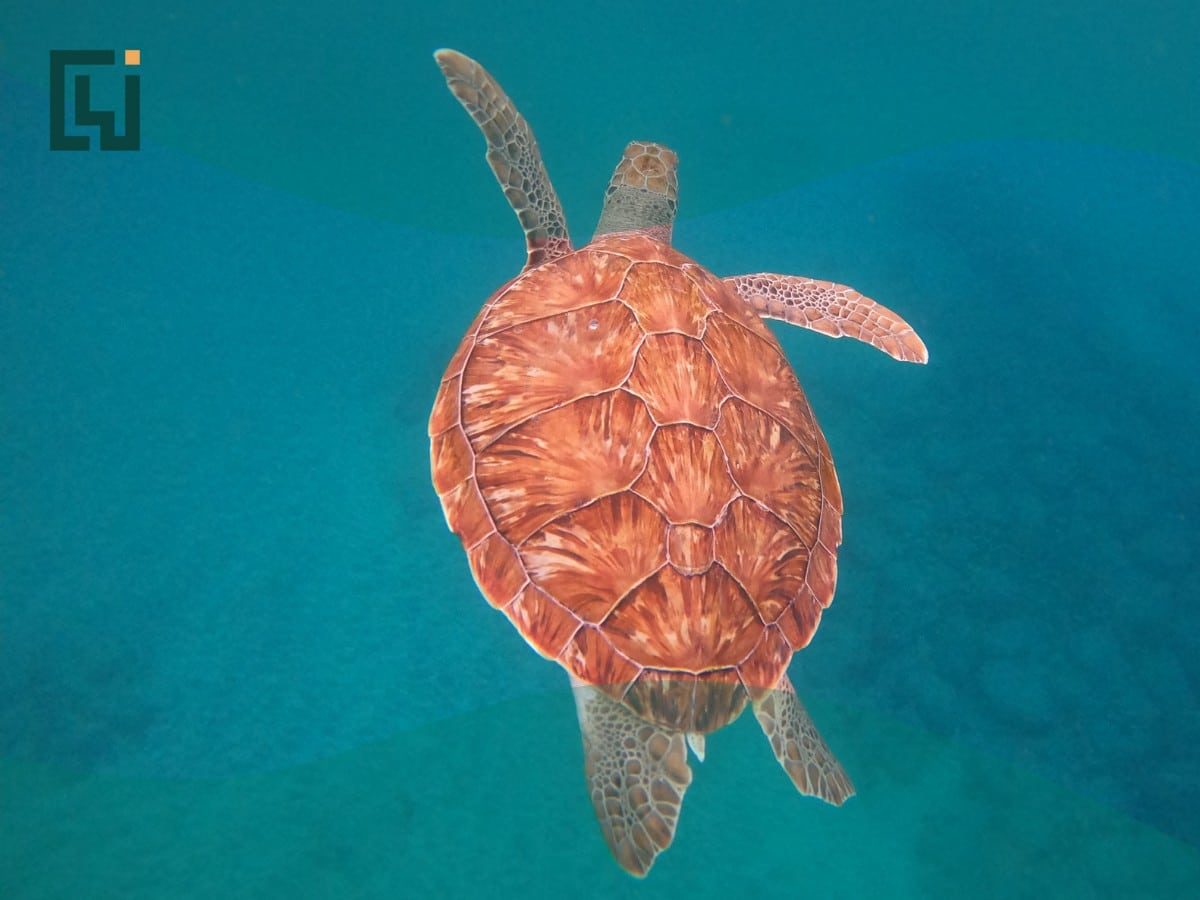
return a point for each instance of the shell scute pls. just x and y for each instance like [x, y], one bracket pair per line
[663, 302]
[716, 295]
[687, 475]
[637, 248]
[800, 619]
[720, 697]
[454, 459]
[687, 622]
[690, 548]
[771, 466]
[547, 625]
[592, 557]
[664, 697]
[762, 553]
[445, 406]
[590, 655]
[754, 368]
[579, 280]
[678, 380]
[466, 513]
[760, 671]
[822, 574]
[564, 459]
[534, 367]
[497, 569]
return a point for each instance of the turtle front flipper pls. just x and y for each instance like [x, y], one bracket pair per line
[637, 773]
[513, 155]
[801, 751]
[832, 309]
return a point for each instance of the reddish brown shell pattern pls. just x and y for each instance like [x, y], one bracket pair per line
[639, 481]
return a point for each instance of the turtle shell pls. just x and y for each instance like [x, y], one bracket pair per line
[639, 481]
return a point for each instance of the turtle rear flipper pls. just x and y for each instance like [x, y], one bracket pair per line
[637, 774]
[513, 155]
[798, 746]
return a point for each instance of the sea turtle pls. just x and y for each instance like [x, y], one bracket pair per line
[638, 480]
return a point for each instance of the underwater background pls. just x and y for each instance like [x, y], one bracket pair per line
[241, 655]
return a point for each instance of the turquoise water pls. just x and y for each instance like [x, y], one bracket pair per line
[240, 655]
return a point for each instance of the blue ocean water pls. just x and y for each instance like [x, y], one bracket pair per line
[240, 655]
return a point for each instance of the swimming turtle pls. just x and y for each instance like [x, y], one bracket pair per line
[638, 480]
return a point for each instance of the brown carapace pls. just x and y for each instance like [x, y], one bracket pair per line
[639, 481]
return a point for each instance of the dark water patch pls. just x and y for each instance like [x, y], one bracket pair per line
[496, 801]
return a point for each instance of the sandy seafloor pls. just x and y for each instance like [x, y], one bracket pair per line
[240, 655]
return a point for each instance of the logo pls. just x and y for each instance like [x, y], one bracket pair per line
[64, 124]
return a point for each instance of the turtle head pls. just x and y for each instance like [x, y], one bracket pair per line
[643, 192]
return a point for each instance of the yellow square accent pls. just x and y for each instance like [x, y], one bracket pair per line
[133, 57]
